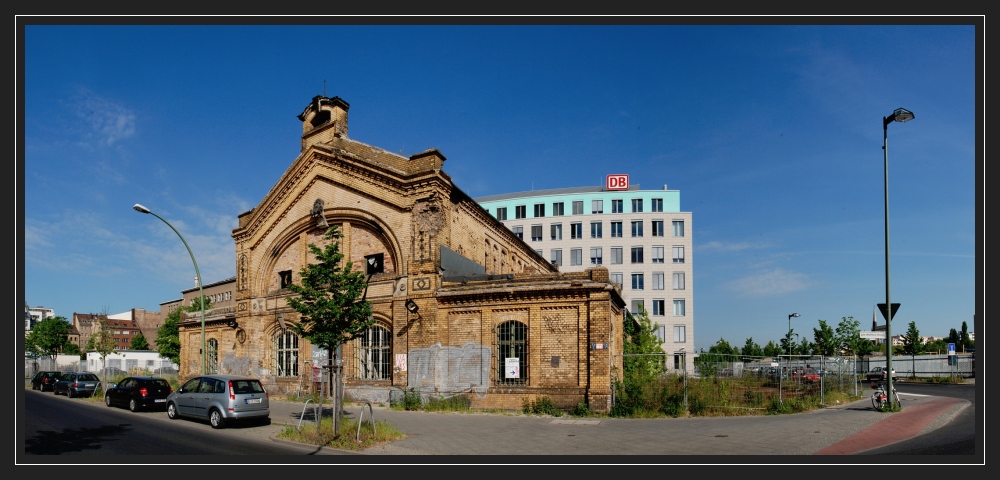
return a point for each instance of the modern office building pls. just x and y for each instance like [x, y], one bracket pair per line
[642, 237]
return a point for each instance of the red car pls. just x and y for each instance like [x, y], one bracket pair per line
[805, 375]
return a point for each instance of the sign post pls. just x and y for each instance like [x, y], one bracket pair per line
[952, 360]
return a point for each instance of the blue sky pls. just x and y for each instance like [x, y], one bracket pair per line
[772, 134]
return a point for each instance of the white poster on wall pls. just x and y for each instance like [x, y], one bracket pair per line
[512, 367]
[400, 362]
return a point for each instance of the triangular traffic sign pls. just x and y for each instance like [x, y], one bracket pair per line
[881, 308]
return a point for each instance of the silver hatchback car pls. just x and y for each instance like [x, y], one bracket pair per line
[220, 399]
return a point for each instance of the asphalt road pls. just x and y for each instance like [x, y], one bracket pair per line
[56, 425]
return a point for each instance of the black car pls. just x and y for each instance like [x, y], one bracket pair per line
[139, 393]
[44, 380]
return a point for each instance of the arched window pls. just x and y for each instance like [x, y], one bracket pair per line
[373, 351]
[212, 356]
[511, 354]
[286, 353]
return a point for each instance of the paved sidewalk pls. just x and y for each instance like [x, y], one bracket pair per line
[837, 430]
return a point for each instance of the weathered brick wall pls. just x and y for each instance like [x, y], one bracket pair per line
[559, 347]
[407, 208]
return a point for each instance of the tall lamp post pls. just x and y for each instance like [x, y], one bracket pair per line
[201, 292]
[790, 315]
[898, 115]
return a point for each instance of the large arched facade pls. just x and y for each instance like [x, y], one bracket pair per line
[477, 294]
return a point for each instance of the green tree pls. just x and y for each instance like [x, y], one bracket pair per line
[48, 337]
[772, 349]
[139, 342]
[71, 349]
[936, 346]
[804, 348]
[330, 302]
[168, 336]
[848, 337]
[912, 346]
[825, 340]
[643, 360]
[751, 349]
[722, 347]
[787, 344]
[966, 342]
[720, 353]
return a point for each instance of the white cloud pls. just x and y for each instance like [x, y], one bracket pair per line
[109, 121]
[769, 283]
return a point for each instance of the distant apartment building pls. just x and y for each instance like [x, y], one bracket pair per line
[123, 327]
[642, 237]
[33, 315]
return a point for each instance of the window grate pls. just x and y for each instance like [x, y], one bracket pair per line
[373, 351]
[286, 353]
[511, 342]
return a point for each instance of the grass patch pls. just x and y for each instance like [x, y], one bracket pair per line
[457, 403]
[947, 379]
[348, 438]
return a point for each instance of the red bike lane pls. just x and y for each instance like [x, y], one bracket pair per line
[899, 426]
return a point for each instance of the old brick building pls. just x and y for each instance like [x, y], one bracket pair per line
[462, 305]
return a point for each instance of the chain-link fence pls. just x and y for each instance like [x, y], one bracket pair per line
[738, 385]
[742, 385]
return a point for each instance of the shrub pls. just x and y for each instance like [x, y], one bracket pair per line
[753, 398]
[581, 410]
[541, 406]
[412, 400]
[696, 405]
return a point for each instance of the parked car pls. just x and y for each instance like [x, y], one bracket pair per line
[877, 374]
[76, 384]
[139, 393]
[44, 380]
[220, 399]
[805, 375]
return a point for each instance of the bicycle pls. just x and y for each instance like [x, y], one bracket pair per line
[879, 397]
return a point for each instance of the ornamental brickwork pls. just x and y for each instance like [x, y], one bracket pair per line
[566, 327]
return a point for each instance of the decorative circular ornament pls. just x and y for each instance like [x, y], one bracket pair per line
[241, 335]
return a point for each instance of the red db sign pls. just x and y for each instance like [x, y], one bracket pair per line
[617, 182]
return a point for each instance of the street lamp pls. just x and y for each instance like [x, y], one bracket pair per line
[201, 292]
[790, 315]
[898, 115]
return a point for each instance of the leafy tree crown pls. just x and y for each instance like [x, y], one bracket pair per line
[330, 302]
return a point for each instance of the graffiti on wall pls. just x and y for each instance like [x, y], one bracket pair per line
[368, 393]
[450, 370]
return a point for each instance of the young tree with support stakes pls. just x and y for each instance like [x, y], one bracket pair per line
[102, 341]
[912, 346]
[331, 303]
